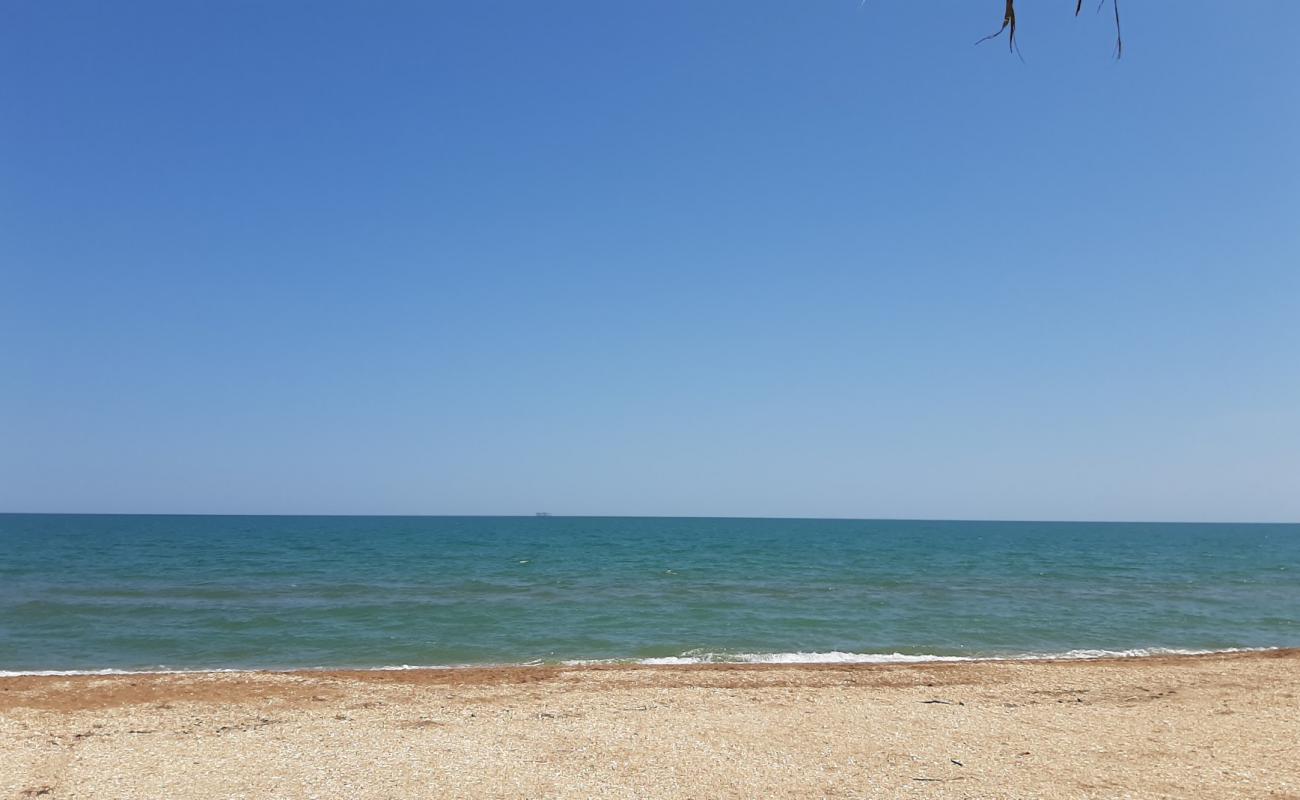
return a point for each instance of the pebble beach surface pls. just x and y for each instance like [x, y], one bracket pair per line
[1213, 726]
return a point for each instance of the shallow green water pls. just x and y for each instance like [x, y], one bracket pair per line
[148, 592]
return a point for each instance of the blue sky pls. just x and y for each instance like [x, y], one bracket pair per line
[717, 258]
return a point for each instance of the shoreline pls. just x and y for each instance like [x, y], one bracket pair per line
[1210, 725]
[748, 660]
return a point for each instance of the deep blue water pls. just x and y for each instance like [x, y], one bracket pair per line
[144, 592]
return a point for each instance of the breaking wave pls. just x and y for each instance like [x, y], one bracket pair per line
[686, 659]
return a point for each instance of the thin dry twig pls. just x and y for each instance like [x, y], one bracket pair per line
[1119, 35]
[1008, 23]
[1009, 26]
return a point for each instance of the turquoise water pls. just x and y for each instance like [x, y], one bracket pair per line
[183, 592]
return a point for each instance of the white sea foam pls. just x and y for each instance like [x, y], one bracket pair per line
[694, 657]
[833, 657]
[4, 673]
[1138, 653]
[837, 657]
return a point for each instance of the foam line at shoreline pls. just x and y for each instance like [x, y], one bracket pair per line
[687, 659]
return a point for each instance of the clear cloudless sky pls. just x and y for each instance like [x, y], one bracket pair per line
[753, 258]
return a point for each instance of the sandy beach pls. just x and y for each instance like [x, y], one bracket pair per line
[1190, 726]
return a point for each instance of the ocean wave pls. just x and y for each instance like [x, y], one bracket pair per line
[686, 659]
[5, 673]
[838, 657]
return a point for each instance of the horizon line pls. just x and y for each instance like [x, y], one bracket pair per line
[550, 515]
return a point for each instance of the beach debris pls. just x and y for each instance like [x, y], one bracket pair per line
[955, 761]
[37, 791]
[942, 703]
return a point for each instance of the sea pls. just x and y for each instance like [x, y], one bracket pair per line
[91, 593]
